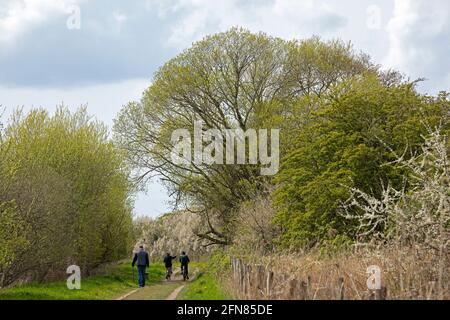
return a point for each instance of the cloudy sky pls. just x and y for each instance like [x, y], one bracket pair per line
[103, 53]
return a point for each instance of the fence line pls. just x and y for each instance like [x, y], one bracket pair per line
[261, 283]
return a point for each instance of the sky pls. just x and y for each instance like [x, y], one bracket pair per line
[103, 53]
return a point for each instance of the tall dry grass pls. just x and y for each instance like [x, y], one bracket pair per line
[406, 233]
[407, 273]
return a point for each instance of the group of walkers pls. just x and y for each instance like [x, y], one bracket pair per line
[142, 261]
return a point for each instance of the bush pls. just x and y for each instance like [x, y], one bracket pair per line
[64, 197]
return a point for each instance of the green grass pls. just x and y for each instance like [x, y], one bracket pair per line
[117, 280]
[205, 287]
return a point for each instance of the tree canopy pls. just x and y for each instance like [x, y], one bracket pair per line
[350, 140]
[234, 79]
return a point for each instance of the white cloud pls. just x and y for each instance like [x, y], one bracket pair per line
[419, 40]
[103, 100]
[20, 16]
[411, 35]
[119, 17]
[285, 18]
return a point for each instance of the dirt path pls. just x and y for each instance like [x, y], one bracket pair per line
[175, 293]
[164, 290]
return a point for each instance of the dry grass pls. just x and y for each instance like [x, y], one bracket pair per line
[407, 273]
[406, 234]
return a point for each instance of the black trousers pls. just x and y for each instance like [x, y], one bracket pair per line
[185, 268]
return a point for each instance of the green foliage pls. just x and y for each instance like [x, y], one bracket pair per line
[219, 263]
[334, 245]
[347, 141]
[341, 121]
[205, 287]
[234, 79]
[70, 194]
[209, 283]
[114, 281]
[12, 233]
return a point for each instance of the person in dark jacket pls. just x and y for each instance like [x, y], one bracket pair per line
[142, 261]
[184, 260]
[168, 264]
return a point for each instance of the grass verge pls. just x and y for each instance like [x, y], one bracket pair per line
[114, 282]
[205, 287]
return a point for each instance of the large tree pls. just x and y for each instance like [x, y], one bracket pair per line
[234, 79]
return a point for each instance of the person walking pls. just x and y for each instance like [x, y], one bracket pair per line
[142, 261]
[168, 264]
[184, 260]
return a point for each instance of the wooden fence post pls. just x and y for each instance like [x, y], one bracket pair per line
[244, 280]
[248, 271]
[379, 294]
[340, 289]
[308, 288]
[241, 275]
[303, 290]
[383, 293]
[260, 271]
[234, 267]
[291, 293]
[269, 284]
